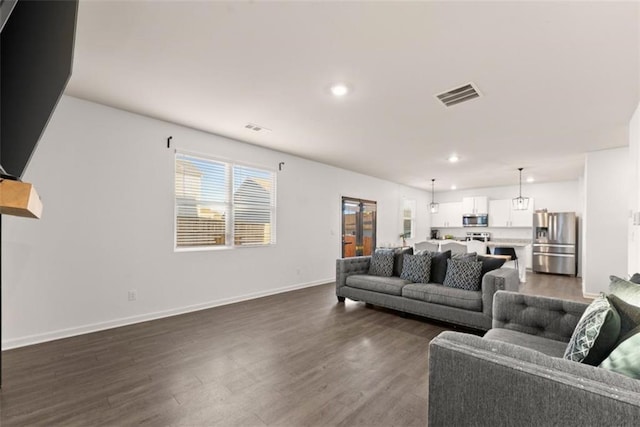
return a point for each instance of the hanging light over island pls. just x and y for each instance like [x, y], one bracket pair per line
[520, 203]
[433, 206]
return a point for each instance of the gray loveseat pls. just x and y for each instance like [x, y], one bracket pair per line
[459, 306]
[515, 374]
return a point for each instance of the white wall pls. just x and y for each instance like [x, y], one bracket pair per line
[605, 225]
[634, 194]
[106, 180]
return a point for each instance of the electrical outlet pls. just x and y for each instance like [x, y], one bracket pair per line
[133, 295]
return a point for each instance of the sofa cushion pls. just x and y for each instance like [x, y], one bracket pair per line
[398, 259]
[625, 290]
[489, 264]
[439, 294]
[416, 268]
[629, 316]
[544, 345]
[463, 274]
[625, 358]
[439, 266]
[596, 333]
[384, 285]
[381, 263]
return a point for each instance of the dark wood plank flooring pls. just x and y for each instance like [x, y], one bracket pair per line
[554, 285]
[298, 358]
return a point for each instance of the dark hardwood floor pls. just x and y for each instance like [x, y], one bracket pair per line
[554, 285]
[298, 358]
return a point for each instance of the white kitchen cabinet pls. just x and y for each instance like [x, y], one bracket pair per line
[502, 214]
[449, 215]
[522, 218]
[475, 205]
[499, 213]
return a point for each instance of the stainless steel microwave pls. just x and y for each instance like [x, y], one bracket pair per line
[475, 220]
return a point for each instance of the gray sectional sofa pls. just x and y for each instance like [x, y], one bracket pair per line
[459, 306]
[515, 374]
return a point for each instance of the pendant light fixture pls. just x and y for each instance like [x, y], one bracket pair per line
[433, 206]
[520, 203]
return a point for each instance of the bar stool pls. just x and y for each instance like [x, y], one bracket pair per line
[507, 251]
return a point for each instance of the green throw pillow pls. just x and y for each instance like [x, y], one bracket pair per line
[596, 333]
[625, 358]
[625, 290]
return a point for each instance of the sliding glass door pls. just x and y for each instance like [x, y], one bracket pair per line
[358, 227]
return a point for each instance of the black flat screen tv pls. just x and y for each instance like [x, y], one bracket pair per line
[36, 58]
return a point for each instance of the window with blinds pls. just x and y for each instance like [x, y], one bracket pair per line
[221, 204]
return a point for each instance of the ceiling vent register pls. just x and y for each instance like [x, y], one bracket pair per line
[256, 127]
[458, 95]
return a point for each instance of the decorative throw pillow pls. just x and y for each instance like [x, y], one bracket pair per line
[489, 263]
[381, 263]
[398, 259]
[625, 290]
[596, 333]
[463, 274]
[635, 278]
[416, 268]
[625, 358]
[629, 317]
[439, 266]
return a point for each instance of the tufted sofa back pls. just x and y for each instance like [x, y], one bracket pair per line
[547, 317]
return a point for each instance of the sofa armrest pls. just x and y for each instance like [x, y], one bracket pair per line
[496, 280]
[473, 381]
[346, 267]
[552, 318]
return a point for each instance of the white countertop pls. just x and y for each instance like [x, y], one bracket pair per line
[509, 244]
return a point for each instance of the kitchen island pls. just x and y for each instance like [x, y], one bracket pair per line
[521, 247]
[521, 252]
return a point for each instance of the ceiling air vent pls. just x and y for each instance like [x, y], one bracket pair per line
[458, 95]
[256, 127]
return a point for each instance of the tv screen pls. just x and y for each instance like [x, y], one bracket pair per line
[36, 57]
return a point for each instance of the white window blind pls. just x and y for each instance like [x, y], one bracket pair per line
[254, 206]
[220, 204]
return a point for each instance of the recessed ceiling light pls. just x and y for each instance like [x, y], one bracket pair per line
[453, 187]
[453, 158]
[530, 179]
[339, 89]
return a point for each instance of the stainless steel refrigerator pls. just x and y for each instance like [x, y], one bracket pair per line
[555, 239]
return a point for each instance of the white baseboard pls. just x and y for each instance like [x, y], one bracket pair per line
[589, 295]
[116, 323]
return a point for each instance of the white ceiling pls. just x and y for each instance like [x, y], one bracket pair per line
[558, 79]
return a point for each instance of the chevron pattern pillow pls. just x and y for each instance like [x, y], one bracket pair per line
[463, 274]
[596, 333]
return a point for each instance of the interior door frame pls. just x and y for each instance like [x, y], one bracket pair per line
[359, 223]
